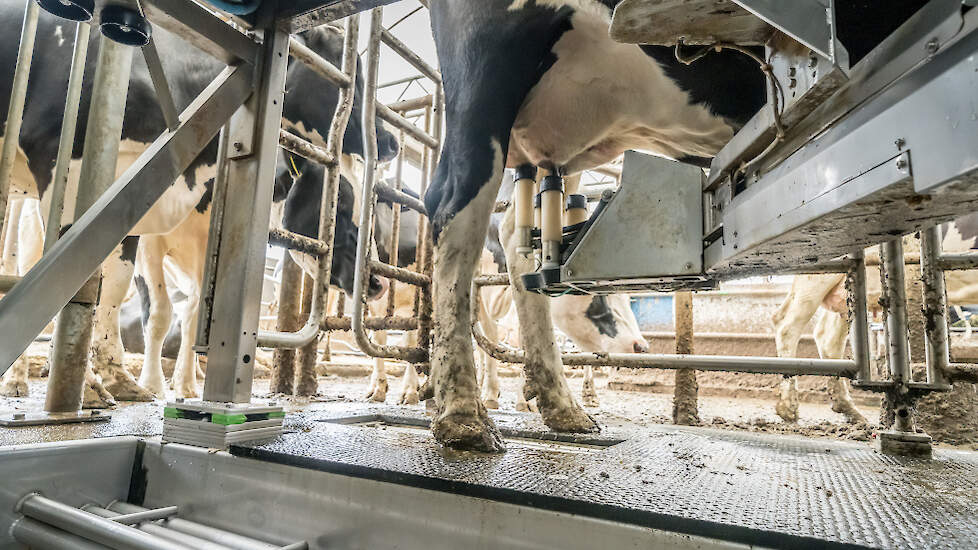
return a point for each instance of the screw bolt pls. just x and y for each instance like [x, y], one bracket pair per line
[238, 146]
[932, 46]
[900, 142]
[812, 60]
[901, 164]
[688, 266]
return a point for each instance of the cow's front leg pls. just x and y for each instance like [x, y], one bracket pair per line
[410, 385]
[377, 387]
[108, 355]
[14, 381]
[185, 371]
[543, 368]
[588, 394]
[157, 312]
[462, 420]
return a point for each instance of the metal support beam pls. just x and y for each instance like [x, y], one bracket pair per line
[935, 306]
[895, 308]
[200, 27]
[158, 76]
[73, 330]
[48, 286]
[856, 285]
[241, 252]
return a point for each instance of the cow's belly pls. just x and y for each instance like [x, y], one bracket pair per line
[601, 98]
[175, 204]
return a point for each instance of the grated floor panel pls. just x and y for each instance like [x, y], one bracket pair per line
[769, 490]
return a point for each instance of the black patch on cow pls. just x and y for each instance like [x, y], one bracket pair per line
[601, 315]
[490, 59]
[144, 301]
[730, 84]
[129, 246]
[205, 200]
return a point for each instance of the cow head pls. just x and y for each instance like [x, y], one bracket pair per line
[301, 215]
[311, 113]
[599, 323]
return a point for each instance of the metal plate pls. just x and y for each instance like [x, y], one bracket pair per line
[663, 22]
[768, 490]
[10, 420]
[653, 226]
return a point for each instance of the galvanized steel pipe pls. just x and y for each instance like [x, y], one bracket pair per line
[91, 526]
[935, 306]
[895, 292]
[41, 536]
[856, 285]
[327, 215]
[159, 530]
[18, 97]
[364, 238]
[103, 132]
[59, 183]
[213, 534]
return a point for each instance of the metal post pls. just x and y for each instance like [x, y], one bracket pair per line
[935, 306]
[894, 286]
[18, 96]
[73, 331]
[684, 402]
[307, 356]
[856, 282]
[241, 253]
[67, 141]
[327, 208]
[283, 359]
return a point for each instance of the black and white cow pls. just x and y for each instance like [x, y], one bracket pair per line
[540, 82]
[188, 71]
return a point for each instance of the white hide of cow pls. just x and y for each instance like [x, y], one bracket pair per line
[107, 350]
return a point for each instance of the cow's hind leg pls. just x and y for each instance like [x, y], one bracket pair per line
[588, 394]
[108, 355]
[157, 313]
[794, 313]
[830, 337]
[14, 382]
[377, 387]
[543, 368]
[409, 388]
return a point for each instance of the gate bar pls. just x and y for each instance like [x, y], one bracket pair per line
[327, 209]
[18, 98]
[66, 142]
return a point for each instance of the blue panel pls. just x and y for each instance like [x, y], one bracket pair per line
[653, 312]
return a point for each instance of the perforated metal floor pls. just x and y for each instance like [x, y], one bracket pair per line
[769, 490]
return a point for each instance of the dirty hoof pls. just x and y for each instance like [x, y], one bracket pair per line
[126, 390]
[377, 392]
[96, 397]
[850, 413]
[571, 419]
[409, 397]
[787, 411]
[188, 392]
[14, 388]
[491, 403]
[590, 400]
[468, 432]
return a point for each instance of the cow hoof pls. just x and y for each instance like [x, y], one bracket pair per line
[409, 398]
[523, 406]
[849, 412]
[570, 419]
[14, 388]
[378, 391]
[590, 401]
[465, 432]
[787, 412]
[129, 391]
[96, 397]
[188, 392]
[491, 403]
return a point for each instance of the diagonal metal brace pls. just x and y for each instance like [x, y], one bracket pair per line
[807, 21]
[61, 272]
